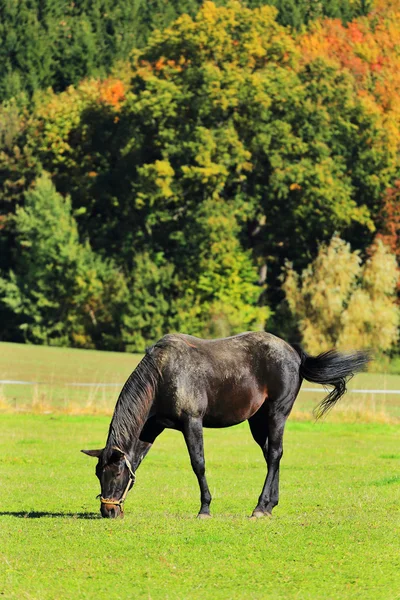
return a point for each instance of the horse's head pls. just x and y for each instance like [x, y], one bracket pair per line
[116, 477]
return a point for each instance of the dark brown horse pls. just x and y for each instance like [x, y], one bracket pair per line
[186, 383]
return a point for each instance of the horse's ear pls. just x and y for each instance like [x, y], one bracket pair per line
[117, 453]
[95, 453]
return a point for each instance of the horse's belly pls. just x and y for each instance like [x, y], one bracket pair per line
[228, 410]
[220, 422]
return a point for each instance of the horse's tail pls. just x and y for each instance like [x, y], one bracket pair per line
[331, 368]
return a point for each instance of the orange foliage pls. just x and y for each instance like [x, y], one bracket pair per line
[368, 47]
[159, 65]
[167, 67]
[112, 92]
[382, 6]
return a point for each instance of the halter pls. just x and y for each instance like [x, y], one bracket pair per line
[132, 478]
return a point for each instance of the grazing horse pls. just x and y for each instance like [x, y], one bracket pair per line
[187, 383]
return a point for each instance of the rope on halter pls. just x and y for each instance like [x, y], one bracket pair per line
[132, 479]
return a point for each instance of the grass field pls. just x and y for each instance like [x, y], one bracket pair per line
[54, 369]
[335, 533]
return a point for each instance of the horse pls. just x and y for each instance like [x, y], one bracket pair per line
[187, 383]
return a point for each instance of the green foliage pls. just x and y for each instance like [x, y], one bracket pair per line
[221, 107]
[341, 303]
[18, 164]
[56, 42]
[278, 136]
[25, 50]
[221, 294]
[147, 302]
[297, 13]
[59, 288]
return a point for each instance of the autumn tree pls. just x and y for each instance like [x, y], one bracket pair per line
[225, 147]
[221, 105]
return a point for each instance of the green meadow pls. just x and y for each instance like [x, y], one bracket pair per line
[54, 373]
[334, 535]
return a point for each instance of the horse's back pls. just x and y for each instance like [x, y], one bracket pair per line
[224, 380]
[245, 340]
[252, 348]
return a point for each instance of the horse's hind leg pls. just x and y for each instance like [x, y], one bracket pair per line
[267, 427]
[193, 433]
[259, 430]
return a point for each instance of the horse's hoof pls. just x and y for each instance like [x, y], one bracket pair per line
[258, 514]
[204, 516]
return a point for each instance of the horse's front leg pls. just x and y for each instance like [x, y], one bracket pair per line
[151, 430]
[193, 433]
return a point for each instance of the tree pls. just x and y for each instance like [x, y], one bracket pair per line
[298, 13]
[226, 105]
[25, 48]
[226, 146]
[147, 306]
[19, 167]
[58, 287]
[220, 296]
[340, 302]
[56, 43]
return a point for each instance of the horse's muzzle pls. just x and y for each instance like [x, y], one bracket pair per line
[111, 511]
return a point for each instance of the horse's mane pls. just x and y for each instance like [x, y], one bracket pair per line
[134, 402]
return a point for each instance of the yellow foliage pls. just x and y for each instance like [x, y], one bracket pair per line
[380, 271]
[341, 303]
[159, 178]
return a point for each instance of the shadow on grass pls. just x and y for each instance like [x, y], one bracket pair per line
[39, 515]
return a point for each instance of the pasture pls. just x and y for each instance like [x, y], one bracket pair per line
[335, 533]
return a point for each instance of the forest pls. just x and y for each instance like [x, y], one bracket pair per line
[200, 167]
